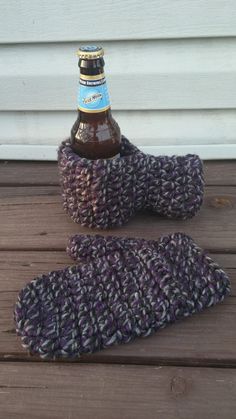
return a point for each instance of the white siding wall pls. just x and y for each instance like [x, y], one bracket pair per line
[170, 65]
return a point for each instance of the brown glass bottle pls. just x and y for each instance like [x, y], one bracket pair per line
[95, 134]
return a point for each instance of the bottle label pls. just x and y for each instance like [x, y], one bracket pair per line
[93, 93]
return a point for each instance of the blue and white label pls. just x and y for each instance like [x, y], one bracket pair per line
[93, 93]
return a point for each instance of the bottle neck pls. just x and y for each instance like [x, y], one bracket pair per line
[93, 93]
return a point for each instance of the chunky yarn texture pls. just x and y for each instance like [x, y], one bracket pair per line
[105, 193]
[121, 289]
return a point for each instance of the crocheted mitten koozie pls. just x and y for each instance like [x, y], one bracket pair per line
[122, 288]
[106, 193]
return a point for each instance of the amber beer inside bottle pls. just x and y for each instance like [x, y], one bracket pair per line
[95, 134]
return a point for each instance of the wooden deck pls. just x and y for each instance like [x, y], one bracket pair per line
[185, 371]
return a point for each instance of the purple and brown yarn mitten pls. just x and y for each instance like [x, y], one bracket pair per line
[105, 193]
[121, 289]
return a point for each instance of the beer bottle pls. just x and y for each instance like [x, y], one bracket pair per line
[95, 134]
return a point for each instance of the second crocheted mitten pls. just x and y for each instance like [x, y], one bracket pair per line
[122, 288]
[106, 193]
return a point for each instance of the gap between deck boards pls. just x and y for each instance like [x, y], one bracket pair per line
[165, 362]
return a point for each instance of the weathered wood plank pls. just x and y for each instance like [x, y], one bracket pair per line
[53, 21]
[19, 267]
[30, 173]
[45, 173]
[42, 224]
[220, 172]
[215, 326]
[204, 339]
[26, 191]
[112, 391]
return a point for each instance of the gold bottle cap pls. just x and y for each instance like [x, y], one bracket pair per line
[90, 52]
